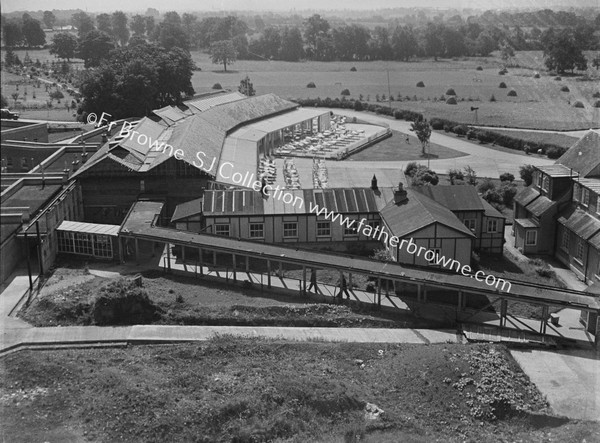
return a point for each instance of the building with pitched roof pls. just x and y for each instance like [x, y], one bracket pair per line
[559, 214]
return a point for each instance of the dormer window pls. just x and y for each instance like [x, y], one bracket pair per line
[539, 179]
[585, 196]
[576, 190]
[546, 183]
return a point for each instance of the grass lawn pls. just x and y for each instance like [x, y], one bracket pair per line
[562, 140]
[253, 390]
[396, 148]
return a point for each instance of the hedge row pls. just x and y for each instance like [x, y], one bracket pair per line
[482, 135]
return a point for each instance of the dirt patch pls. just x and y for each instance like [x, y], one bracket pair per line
[231, 389]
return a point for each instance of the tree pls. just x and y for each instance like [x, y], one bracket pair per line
[150, 25]
[246, 87]
[63, 45]
[3, 101]
[12, 33]
[83, 23]
[15, 97]
[422, 129]
[526, 173]
[404, 43]
[119, 26]
[223, 52]
[138, 79]
[170, 34]
[33, 33]
[292, 47]
[316, 28]
[94, 47]
[104, 23]
[49, 19]
[434, 46]
[506, 51]
[470, 176]
[563, 51]
[138, 24]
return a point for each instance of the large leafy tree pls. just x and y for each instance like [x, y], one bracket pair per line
[12, 33]
[64, 45]
[49, 19]
[422, 130]
[94, 47]
[137, 79]
[292, 48]
[119, 27]
[563, 51]
[170, 34]
[223, 52]
[33, 33]
[104, 24]
[82, 22]
[138, 24]
[404, 43]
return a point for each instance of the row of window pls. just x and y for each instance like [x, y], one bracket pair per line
[290, 229]
[492, 224]
[566, 242]
[582, 195]
[543, 181]
[95, 245]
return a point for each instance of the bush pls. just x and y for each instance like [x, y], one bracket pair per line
[557, 79]
[479, 68]
[217, 86]
[536, 75]
[411, 168]
[437, 124]
[596, 94]
[507, 177]
[345, 92]
[565, 89]
[526, 173]
[353, 69]
[122, 302]
[486, 185]
[555, 152]
[545, 271]
[451, 101]
[507, 192]
[512, 93]
[450, 92]
[596, 104]
[455, 175]
[460, 130]
[420, 85]
[502, 85]
[311, 85]
[492, 196]
[502, 72]
[492, 98]
[358, 106]
[578, 104]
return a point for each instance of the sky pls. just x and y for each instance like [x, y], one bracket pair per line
[277, 5]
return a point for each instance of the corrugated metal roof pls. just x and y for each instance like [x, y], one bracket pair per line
[455, 198]
[490, 211]
[584, 155]
[147, 127]
[526, 196]
[557, 170]
[590, 183]
[580, 222]
[540, 205]
[89, 228]
[204, 104]
[527, 223]
[417, 212]
[170, 114]
[288, 119]
[595, 241]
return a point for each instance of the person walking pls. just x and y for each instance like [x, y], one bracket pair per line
[343, 286]
[313, 280]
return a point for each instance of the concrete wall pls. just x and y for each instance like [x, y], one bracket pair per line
[37, 132]
[19, 158]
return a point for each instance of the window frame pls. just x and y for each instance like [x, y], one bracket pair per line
[474, 222]
[496, 226]
[352, 230]
[287, 228]
[222, 225]
[252, 230]
[565, 241]
[585, 196]
[576, 191]
[527, 242]
[579, 250]
[324, 230]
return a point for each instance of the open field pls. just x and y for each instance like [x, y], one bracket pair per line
[258, 390]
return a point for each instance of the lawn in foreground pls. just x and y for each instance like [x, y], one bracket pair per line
[257, 390]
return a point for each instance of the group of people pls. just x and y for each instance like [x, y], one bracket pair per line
[342, 285]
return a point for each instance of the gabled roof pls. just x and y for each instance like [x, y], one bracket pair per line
[417, 212]
[584, 156]
[214, 99]
[557, 170]
[580, 222]
[187, 209]
[455, 198]
[490, 211]
[527, 195]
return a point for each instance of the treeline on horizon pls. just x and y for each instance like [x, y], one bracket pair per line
[295, 38]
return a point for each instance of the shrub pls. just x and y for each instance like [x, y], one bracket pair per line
[502, 85]
[311, 85]
[455, 175]
[578, 104]
[353, 69]
[555, 152]
[358, 106]
[512, 93]
[596, 94]
[565, 89]
[557, 79]
[596, 104]
[502, 72]
[536, 75]
[486, 185]
[479, 68]
[545, 271]
[460, 130]
[411, 168]
[420, 85]
[451, 101]
[507, 192]
[507, 177]
[492, 196]
[217, 86]
[450, 92]
[345, 92]
[447, 128]
[437, 124]
[526, 173]
[492, 98]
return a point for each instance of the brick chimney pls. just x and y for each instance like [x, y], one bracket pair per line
[374, 183]
[400, 194]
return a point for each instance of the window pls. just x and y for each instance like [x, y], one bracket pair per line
[580, 248]
[585, 196]
[531, 238]
[142, 186]
[576, 192]
[24, 164]
[102, 246]
[373, 224]
[565, 239]
[222, 229]
[352, 230]
[323, 229]
[492, 225]
[598, 203]
[470, 223]
[546, 183]
[257, 230]
[539, 179]
[290, 230]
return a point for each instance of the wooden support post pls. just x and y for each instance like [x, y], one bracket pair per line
[247, 264]
[200, 261]
[28, 265]
[137, 251]
[387, 288]
[419, 292]
[234, 266]
[268, 273]
[379, 292]
[424, 293]
[503, 311]
[215, 258]
[280, 269]
[183, 254]
[350, 280]
[303, 280]
[460, 301]
[169, 257]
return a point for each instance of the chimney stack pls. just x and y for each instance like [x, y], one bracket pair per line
[400, 194]
[374, 183]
